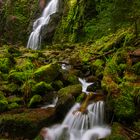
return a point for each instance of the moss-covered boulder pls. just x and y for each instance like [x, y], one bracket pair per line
[73, 90]
[69, 78]
[25, 123]
[34, 101]
[41, 88]
[66, 99]
[47, 73]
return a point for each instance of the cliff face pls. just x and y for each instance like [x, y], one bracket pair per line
[76, 15]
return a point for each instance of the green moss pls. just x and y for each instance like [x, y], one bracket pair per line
[47, 73]
[12, 88]
[118, 133]
[15, 99]
[13, 106]
[24, 64]
[27, 88]
[2, 95]
[80, 97]
[35, 100]
[74, 90]
[57, 84]
[124, 106]
[5, 65]
[41, 88]
[3, 103]
[69, 78]
[136, 68]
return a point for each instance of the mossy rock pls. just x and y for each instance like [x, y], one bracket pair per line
[118, 133]
[26, 123]
[57, 85]
[74, 90]
[41, 88]
[47, 73]
[13, 105]
[69, 78]
[34, 101]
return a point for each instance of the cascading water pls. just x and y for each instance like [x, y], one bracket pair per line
[83, 122]
[84, 85]
[34, 41]
[77, 125]
[55, 100]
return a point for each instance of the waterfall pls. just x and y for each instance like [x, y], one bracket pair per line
[34, 41]
[89, 125]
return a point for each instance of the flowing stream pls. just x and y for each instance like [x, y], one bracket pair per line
[34, 41]
[80, 126]
[85, 85]
[83, 122]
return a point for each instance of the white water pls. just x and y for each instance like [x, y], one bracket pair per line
[81, 126]
[85, 85]
[66, 67]
[34, 41]
[55, 100]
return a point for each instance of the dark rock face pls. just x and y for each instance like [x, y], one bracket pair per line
[47, 32]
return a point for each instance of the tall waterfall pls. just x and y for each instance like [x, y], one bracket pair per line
[34, 41]
[89, 125]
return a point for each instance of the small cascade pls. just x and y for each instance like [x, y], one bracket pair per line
[55, 100]
[85, 85]
[34, 41]
[77, 125]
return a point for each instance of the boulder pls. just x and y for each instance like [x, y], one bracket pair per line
[47, 73]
